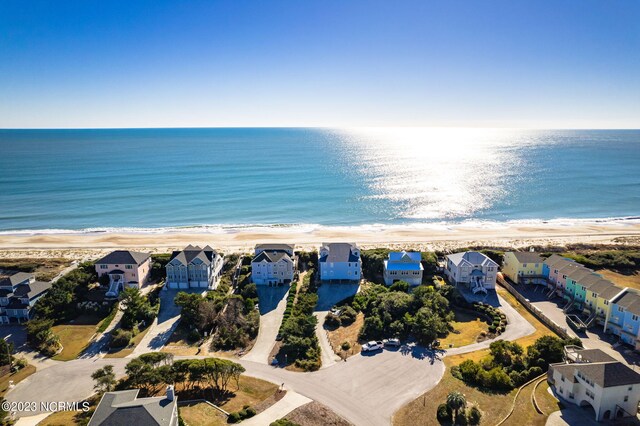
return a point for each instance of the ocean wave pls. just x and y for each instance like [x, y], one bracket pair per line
[308, 227]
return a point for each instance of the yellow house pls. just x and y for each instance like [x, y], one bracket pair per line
[599, 297]
[523, 267]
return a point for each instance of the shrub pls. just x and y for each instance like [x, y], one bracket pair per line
[193, 336]
[492, 328]
[461, 419]
[444, 413]
[21, 363]
[332, 321]
[474, 415]
[234, 418]
[250, 412]
[348, 315]
[345, 346]
[120, 338]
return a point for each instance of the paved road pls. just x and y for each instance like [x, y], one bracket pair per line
[366, 390]
[290, 402]
[273, 302]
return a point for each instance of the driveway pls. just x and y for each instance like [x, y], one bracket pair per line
[273, 302]
[164, 324]
[328, 296]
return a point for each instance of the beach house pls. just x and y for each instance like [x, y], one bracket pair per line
[592, 378]
[624, 318]
[194, 267]
[551, 269]
[125, 408]
[403, 266]
[473, 269]
[124, 268]
[18, 293]
[523, 267]
[272, 264]
[339, 262]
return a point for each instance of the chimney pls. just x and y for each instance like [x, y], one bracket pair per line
[170, 393]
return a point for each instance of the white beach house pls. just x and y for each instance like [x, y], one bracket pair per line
[339, 262]
[472, 268]
[591, 378]
[403, 266]
[194, 267]
[272, 264]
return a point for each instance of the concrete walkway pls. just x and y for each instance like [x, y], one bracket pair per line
[273, 302]
[32, 420]
[280, 409]
[101, 340]
[327, 355]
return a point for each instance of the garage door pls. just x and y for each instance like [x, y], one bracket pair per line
[183, 285]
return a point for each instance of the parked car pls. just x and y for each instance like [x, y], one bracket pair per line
[392, 343]
[372, 346]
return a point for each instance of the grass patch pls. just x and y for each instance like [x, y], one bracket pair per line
[466, 329]
[423, 409]
[16, 377]
[348, 334]
[123, 353]
[201, 413]
[631, 280]
[252, 391]
[43, 269]
[178, 344]
[74, 339]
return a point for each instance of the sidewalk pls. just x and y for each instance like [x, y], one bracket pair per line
[280, 409]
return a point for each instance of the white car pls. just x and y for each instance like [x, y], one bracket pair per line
[394, 343]
[372, 346]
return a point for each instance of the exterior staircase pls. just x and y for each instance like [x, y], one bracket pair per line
[114, 288]
[591, 320]
[552, 293]
[568, 306]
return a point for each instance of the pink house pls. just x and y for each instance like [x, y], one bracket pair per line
[124, 268]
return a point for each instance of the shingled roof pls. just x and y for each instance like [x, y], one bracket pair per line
[527, 257]
[206, 255]
[124, 408]
[339, 252]
[124, 257]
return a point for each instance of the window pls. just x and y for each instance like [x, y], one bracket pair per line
[104, 266]
[128, 266]
[606, 302]
[593, 294]
[620, 309]
[626, 398]
[634, 317]
[630, 388]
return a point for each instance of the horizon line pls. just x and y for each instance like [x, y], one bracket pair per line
[318, 127]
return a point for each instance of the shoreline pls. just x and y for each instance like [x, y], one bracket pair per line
[517, 236]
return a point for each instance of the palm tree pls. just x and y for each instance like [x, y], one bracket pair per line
[456, 401]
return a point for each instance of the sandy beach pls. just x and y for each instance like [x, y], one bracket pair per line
[90, 245]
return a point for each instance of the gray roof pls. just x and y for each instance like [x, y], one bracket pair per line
[579, 273]
[124, 257]
[15, 279]
[611, 292]
[123, 408]
[609, 374]
[470, 258]
[339, 252]
[557, 261]
[31, 290]
[206, 255]
[286, 247]
[589, 280]
[270, 256]
[630, 301]
[528, 257]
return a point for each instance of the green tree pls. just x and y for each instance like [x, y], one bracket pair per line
[105, 379]
[190, 305]
[456, 401]
[136, 308]
[402, 286]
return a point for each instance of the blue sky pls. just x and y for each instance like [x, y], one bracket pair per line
[87, 63]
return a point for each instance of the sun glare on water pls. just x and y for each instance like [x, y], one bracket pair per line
[435, 173]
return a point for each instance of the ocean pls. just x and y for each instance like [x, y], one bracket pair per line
[154, 180]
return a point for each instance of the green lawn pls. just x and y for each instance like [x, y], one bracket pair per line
[466, 329]
[201, 413]
[75, 336]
